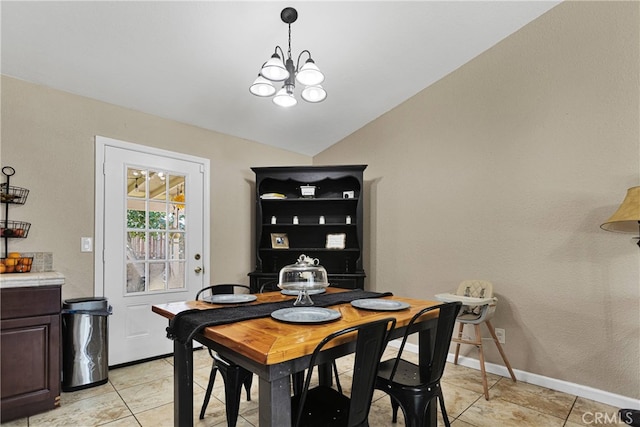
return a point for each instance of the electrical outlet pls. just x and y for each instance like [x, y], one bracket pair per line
[500, 334]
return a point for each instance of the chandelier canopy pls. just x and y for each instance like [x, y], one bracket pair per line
[276, 69]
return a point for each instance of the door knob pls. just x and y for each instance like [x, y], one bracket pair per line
[198, 270]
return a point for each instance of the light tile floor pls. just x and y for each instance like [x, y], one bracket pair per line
[142, 395]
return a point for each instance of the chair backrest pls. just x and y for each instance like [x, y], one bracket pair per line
[475, 289]
[370, 344]
[269, 286]
[225, 288]
[432, 372]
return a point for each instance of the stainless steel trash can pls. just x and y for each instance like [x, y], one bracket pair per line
[85, 346]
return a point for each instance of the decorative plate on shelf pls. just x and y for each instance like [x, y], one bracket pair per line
[272, 196]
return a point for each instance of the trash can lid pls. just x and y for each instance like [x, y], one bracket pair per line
[85, 304]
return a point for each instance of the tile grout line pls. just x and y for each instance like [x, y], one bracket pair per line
[470, 406]
[125, 404]
[566, 420]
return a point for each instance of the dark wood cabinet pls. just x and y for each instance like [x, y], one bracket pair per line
[30, 358]
[311, 210]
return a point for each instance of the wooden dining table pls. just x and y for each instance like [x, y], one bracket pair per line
[274, 350]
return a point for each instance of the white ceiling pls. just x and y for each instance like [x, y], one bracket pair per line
[194, 61]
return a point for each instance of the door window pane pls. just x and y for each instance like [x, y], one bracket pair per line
[157, 276]
[176, 246]
[136, 183]
[157, 215]
[175, 273]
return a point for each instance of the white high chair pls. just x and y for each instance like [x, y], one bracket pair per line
[479, 305]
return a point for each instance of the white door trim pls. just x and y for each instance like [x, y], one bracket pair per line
[101, 143]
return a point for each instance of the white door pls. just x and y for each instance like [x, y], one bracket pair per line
[151, 240]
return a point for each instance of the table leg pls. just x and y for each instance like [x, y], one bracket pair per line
[275, 402]
[182, 384]
[325, 374]
[426, 349]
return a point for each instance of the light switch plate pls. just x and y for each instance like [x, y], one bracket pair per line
[86, 244]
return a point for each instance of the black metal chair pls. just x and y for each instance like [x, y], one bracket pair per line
[323, 406]
[413, 387]
[234, 376]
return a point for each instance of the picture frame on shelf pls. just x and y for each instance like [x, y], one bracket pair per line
[336, 241]
[279, 241]
[349, 194]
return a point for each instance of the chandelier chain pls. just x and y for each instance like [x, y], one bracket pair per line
[289, 52]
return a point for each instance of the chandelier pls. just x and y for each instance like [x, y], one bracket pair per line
[276, 69]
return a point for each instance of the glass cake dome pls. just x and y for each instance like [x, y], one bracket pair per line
[305, 275]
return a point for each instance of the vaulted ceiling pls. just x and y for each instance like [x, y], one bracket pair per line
[194, 61]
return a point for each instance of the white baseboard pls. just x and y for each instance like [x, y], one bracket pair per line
[586, 392]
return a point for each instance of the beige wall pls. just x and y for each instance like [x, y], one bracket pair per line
[504, 171]
[48, 137]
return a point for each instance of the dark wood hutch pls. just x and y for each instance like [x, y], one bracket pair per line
[311, 210]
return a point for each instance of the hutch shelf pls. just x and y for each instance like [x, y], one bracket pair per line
[311, 210]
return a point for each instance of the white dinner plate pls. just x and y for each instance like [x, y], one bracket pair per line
[379, 304]
[230, 298]
[306, 315]
[295, 292]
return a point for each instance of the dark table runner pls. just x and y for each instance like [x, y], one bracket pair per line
[187, 323]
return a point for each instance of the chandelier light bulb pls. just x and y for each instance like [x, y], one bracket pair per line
[274, 69]
[309, 74]
[262, 87]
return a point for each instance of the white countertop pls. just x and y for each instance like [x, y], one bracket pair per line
[23, 280]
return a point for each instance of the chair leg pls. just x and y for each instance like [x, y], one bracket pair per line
[460, 327]
[478, 344]
[335, 373]
[232, 389]
[443, 411]
[247, 386]
[207, 395]
[394, 410]
[492, 331]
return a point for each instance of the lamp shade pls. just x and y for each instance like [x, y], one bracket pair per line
[274, 69]
[627, 218]
[309, 74]
[284, 99]
[262, 87]
[314, 94]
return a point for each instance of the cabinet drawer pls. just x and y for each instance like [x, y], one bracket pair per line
[26, 302]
